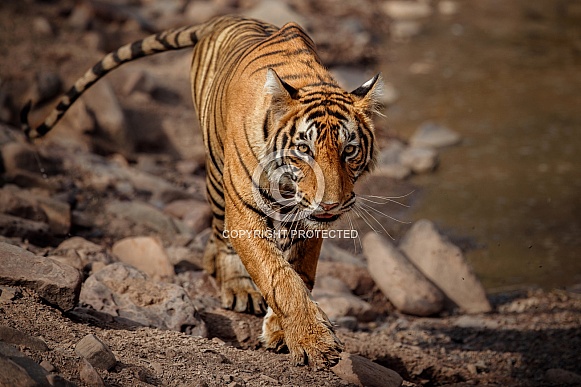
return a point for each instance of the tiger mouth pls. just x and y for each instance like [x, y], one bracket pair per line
[324, 217]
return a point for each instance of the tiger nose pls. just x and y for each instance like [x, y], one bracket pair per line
[329, 206]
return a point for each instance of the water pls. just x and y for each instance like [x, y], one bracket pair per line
[507, 76]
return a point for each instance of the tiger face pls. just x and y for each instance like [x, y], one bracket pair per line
[322, 140]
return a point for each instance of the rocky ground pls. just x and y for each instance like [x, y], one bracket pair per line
[103, 224]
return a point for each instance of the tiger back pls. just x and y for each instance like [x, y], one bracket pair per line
[285, 146]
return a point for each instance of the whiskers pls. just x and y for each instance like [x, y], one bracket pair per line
[365, 210]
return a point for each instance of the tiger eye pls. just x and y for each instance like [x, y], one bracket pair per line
[349, 149]
[304, 148]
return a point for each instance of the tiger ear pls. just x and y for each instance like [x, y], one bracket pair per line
[279, 89]
[367, 95]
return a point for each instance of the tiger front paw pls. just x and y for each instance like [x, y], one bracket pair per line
[311, 340]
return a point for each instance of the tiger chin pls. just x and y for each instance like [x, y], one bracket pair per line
[284, 148]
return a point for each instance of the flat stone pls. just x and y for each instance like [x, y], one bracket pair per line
[13, 226]
[146, 254]
[399, 280]
[363, 372]
[444, 264]
[55, 282]
[16, 337]
[432, 135]
[130, 297]
[96, 352]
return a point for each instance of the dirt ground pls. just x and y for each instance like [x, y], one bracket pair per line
[532, 338]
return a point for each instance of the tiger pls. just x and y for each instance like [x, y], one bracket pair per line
[285, 145]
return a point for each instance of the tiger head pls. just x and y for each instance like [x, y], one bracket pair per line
[320, 140]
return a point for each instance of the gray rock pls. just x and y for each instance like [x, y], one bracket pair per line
[399, 280]
[146, 254]
[143, 214]
[19, 370]
[363, 372]
[432, 135]
[16, 337]
[334, 297]
[132, 298]
[393, 171]
[55, 282]
[195, 214]
[356, 277]
[419, 160]
[96, 352]
[58, 214]
[443, 263]
[333, 253]
[103, 103]
[48, 366]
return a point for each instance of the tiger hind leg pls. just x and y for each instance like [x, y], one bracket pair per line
[237, 290]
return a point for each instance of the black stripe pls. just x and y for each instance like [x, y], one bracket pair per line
[98, 69]
[137, 49]
[160, 37]
[265, 126]
[116, 57]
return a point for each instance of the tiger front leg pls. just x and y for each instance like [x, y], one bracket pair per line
[237, 290]
[294, 319]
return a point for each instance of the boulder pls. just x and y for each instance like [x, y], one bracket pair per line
[57, 283]
[399, 280]
[130, 297]
[444, 264]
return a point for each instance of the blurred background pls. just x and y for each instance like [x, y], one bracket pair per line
[501, 80]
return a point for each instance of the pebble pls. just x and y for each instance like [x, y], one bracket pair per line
[96, 352]
[444, 265]
[48, 366]
[399, 280]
